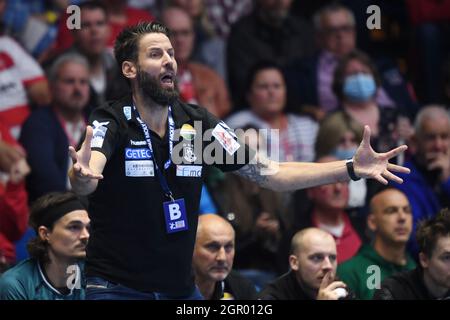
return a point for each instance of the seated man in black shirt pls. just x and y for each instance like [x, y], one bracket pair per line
[313, 262]
[430, 280]
[213, 260]
[144, 190]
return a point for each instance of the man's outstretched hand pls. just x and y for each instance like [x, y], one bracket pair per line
[369, 164]
[81, 168]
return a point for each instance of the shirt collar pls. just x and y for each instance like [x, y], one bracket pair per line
[180, 116]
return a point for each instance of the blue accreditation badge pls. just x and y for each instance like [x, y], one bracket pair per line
[175, 214]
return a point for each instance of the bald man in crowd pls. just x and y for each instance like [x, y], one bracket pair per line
[213, 261]
[390, 221]
[313, 263]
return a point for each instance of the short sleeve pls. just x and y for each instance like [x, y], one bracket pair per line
[105, 127]
[225, 151]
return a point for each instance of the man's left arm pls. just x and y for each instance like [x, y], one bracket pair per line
[291, 176]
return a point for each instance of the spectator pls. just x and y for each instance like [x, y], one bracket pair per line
[313, 270]
[268, 33]
[390, 220]
[13, 197]
[338, 136]
[54, 270]
[48, 132]
[91, 42]
[213, 261]
[22, 82]
[428, 185]
[260, 218]
[208, 48]
[266, 95]
[197, 82]
[120, 15]
[355, 84]
[430, 280]
[328, 213]
[310, 79]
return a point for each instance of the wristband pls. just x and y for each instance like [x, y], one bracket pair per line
[351, 170]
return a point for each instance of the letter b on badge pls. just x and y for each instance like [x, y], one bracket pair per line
[174, 211]
[175, 215]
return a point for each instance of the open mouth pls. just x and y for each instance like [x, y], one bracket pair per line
[168, 78]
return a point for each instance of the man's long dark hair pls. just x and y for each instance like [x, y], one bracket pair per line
[37, 247]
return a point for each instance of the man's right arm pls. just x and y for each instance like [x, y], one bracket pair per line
[87, 166]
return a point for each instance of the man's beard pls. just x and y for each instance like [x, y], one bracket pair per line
[151, 88]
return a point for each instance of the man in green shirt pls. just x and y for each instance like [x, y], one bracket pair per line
[390, 220]
[54, 271]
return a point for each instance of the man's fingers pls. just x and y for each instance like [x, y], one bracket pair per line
[73, 154]
[397, 168]
[82, 173]
[88, 138]
[336, 284]
[390, 176]
[325, 280]
[380, 179]
[94, 176]
[395, 152]
[366, 136]
[77, 168]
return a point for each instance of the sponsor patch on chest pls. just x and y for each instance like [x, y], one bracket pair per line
[189, 171]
